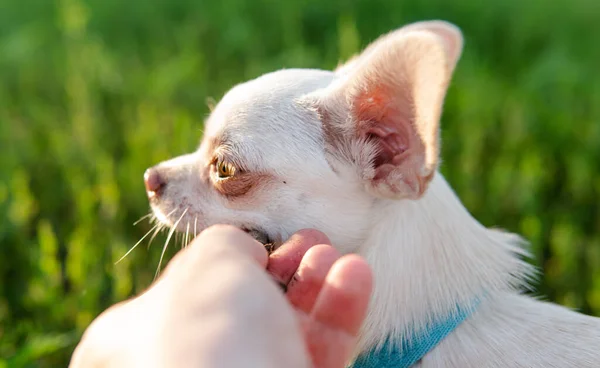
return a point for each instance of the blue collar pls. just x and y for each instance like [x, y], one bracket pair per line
[409, 351]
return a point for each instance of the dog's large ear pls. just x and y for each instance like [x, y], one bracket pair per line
[390, 98]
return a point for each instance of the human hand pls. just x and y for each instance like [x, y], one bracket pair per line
[215, 306]
[329, 292]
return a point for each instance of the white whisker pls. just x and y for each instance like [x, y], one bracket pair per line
[187, 234]
[195, 221]
[167, 242]
[160, 227]
[136, 244]
[142, 218]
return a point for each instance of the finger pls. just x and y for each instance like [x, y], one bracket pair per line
[284, 261]
[344, 298]
[331, 330]
[219, 239]
[306, 284]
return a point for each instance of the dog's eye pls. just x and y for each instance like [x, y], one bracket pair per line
[225, 169]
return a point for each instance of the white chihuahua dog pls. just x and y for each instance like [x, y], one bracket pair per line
[354, 153]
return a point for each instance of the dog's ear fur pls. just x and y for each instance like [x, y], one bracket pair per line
[390, 97]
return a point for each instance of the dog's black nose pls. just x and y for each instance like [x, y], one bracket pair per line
[154, 182]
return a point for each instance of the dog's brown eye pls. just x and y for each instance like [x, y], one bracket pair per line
[225, 169]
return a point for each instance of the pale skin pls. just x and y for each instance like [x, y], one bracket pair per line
[215, 306]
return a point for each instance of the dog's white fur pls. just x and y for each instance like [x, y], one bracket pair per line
[296, 136]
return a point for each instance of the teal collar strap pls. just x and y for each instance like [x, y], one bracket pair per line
[405, 353]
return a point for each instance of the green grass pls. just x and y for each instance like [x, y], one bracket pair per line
[93, 92]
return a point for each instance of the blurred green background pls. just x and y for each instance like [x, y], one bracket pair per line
[92, 92]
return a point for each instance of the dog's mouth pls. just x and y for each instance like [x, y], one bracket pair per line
[262, 237]
[257, 233]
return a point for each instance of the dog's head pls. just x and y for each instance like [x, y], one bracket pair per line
[317, 149]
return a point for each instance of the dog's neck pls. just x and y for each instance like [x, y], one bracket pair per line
[430, 256]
